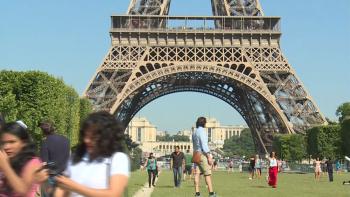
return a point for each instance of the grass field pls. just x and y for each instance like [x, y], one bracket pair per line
[136, 181]
[227, 185]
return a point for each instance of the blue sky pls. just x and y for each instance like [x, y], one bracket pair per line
[69, 39]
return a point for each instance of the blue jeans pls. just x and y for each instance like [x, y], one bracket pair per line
[177, 176]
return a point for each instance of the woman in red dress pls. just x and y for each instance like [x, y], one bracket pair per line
[273, 170]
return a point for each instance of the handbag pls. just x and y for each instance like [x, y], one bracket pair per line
[196, 158]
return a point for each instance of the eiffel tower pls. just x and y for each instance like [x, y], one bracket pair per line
[233, 55]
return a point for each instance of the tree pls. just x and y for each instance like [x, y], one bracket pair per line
[242, 145]
[33, 96]
[324, 141]
[135, 153]
[180, 138]
[290, 147]
[85, 109]
[345, 136]
[165, 138]
[175, 138]
[343, 111]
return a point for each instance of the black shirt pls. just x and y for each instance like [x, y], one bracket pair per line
[55, 148]
[177, 159]
[329, 165]
[252, 163]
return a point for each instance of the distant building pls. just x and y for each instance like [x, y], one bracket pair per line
[144, 133]
[141, 130]
[166, 148]
[217, 133]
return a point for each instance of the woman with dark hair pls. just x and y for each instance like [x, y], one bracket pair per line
[19, 166]
[273, 170]
[99, 166]
[151, 165]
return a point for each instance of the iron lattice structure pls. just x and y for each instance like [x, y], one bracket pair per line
[234, 55]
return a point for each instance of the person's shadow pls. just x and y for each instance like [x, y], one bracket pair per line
[260, 186]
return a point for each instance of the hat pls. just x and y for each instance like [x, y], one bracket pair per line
[21, 123]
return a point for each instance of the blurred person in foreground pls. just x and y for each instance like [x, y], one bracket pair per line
[99, 166]
[20, 168]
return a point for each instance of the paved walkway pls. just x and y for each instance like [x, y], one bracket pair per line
[145, 191]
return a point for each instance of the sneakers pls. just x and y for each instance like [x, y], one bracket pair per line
[213, 195]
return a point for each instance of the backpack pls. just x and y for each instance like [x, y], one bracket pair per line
[152, 164]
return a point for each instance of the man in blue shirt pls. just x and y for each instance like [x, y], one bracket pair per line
[200, 144]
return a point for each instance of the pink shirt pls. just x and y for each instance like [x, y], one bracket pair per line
[34, 187]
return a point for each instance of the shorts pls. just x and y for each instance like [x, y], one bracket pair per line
[204, 167]
[188, 170]
[258, 169]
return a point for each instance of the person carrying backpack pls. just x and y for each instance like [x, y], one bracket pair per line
[151, 165]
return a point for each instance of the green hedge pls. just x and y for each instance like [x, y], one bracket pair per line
[33, 96]
[324, 141]
[345, 136]
[290, 147]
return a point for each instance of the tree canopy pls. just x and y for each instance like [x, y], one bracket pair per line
[343, 111]
[33, 96]
[242, 145]
[290, 147]
[175, 138]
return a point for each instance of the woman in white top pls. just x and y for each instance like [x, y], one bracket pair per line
[273, 170]
[99, 167]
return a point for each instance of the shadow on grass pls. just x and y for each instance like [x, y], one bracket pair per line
[164, 186]
[260, 186]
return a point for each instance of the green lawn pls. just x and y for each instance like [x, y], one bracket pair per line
[227, 185]
[136, 181]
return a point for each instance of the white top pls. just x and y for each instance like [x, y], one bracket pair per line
[94, 174]
[273, 162]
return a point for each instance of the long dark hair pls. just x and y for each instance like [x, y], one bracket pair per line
[28, 151]
[109, 132]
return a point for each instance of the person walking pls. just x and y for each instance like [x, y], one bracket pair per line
[273, 170]
[99, 166]
[188, 165]
[251, 167]
[49, 152]
[240, 167]
[318, 169]
[151, 165]
[177, 163]
[337, 167]
[20, 173]
[257, 166]
[200, 146]
[230, 166]
[329, 164]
